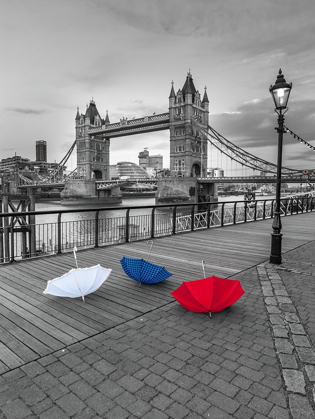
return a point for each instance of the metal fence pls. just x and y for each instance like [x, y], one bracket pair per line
[85, 228]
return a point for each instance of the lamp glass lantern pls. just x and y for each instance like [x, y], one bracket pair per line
[280, 92]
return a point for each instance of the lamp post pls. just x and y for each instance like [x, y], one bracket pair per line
[280, 93]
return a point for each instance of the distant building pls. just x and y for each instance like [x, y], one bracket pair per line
[218, 172]
[41, 151]
[128, 170]
[215, 172]
[146, 161]
[15, 162]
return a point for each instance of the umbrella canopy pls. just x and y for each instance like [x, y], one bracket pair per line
[143, 271]
[208, 295]
[78, 282]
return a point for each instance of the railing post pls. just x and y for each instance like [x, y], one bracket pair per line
[286, 206]
[127, 225]
[208, 215]
[174, 220]
[234, 213]
[192, 224]
[264, 210]
[152, 222]
[96, 230]
[245, 212]
[59, 233]
[222, 215]
[271, 209]
[255, 211]
[12, 241]
[291, 206]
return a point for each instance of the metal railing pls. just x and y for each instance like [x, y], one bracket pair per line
[86, 228]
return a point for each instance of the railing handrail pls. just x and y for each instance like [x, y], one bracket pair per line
[170, 205]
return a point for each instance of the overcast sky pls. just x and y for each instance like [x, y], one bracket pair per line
[57, 55]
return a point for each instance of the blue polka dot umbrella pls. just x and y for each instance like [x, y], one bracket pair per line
[143, 271]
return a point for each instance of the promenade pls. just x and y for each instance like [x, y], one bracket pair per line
[134, 352]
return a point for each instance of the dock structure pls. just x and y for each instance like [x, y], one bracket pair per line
[132, 351]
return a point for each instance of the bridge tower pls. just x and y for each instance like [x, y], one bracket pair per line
[92, 151]
[188, 148]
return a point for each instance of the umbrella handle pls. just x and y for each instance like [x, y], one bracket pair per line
[203, 268]
[150, 242]
[75, 255]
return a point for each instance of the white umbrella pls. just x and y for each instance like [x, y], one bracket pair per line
[78, 282]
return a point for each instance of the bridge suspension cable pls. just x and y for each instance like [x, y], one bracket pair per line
[60, 165]
[238, 154]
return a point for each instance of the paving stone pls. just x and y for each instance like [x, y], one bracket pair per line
[297, 329]
[242, 382]
[224, 387]
[279, 413]
[291, 318]
[250, 373]
[223, 402]
[54, 413]
[33, 369]
[117, 413]
[306, 355]
[16, 409]
[32, 395]
[300, 407]
[280, 331]
[166, 387]
[283, 346]
[259, 390]
[310, 371]
[288, 361]
[82, 389]
[104, 367]
[155, 414]
[125, 399]
[177, 411]
[42, 406]
[299, 340]
[244, 412]
[294, 380]
[198, 405]
[139, 408]
[215, 412]
[161, 401]
[276, 319]
[46, 381]
[70, 404]
[260, 405]
[56, 392]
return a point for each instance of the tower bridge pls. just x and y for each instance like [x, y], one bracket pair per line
[187, 120]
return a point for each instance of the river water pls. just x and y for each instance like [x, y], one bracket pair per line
[129, 202]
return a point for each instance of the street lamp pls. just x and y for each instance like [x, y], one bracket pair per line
[280, 93]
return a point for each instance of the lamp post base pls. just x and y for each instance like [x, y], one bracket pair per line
[276, 241]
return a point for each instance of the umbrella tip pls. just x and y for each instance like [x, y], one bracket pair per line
[83, 298]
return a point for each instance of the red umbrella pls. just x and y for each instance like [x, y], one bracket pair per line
[208, 295]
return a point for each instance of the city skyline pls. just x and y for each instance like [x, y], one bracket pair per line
[125, 54]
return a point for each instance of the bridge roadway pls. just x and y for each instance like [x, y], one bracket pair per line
[132, 351]
[105, 184]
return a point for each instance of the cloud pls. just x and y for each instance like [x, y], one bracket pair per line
[27, 111]
[252, 123]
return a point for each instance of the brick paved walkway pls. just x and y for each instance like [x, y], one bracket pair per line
[253, 360]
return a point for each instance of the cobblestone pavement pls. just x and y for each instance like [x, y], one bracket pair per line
[255, 359]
